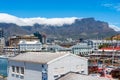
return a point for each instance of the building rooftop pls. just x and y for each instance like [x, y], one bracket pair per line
[29, 42]
[37, 57]
[42, 57]
[75, 76]
[111, 48]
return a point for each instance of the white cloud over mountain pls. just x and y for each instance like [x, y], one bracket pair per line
[6, 18]
[116, 28]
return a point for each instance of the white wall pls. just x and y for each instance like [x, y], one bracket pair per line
[59, 66]
[32, 71]
[65, 65]
[11, 75]
[30, 47]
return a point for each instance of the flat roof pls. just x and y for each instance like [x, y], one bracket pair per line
[37, 57]
[29, 42]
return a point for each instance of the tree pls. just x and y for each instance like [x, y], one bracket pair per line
[37, 34]
[103, 45]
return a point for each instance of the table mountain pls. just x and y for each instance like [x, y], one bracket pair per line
[81, 28]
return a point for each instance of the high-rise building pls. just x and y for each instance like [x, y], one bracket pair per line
[2, 43]
[1, 33]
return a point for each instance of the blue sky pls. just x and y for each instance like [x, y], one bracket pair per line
[104, 10]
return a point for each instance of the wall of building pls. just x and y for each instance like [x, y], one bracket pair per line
[14, 75]
[96, 43]
[82, 49]
[49, 71]
[30, 47]
[13, 41]
[1, 33]
[2, 44]
[32, 71]
[65, 65]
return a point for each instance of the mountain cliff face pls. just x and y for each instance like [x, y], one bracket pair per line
[81, 28]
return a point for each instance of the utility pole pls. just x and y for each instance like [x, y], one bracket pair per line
[113, 55]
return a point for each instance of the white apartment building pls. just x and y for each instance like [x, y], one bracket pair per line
[82, 49]
[10, 51]
[57, 48]
[30, 45]
[45, 65]
[96, 43]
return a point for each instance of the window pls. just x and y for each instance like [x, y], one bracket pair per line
[44, 76]
[17, 76]
[13, 68]
[18, 72]
[22, 70]
[42, 66]
[82, 71]
[21, 77]
[17, 69]
[13, 75]
[56, 76]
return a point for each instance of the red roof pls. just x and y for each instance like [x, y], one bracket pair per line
[111, 48]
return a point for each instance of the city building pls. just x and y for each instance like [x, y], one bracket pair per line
[14, 40]
[96, 43]
[82, 49]
[1, 33]
[29, 46]
[57, 48]
[2, 40]
[111, 53]
[10, 51]
[45, 65]
[2, 44]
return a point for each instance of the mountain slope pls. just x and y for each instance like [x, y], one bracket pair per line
[85, 28]
[12, 29]
[73, 28]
